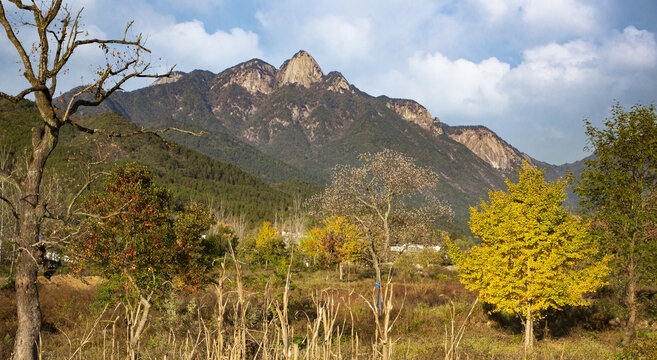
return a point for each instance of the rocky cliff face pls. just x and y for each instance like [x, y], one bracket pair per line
[301, 69]
[488, 146]
[410, 110]
[254, 76]
[337, 83]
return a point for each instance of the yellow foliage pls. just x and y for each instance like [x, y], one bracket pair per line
[534, 254]
[267, 232]
[338, 240]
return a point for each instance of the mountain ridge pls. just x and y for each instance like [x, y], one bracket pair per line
[308, 122]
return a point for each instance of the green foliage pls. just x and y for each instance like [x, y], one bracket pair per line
[267, 247]
[188, 174]
[535, 255]
[411, 263]
[618, 189]
[644, 347]
[217, 243]
[131, 232]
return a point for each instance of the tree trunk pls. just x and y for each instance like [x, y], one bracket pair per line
[529, 332]
[386, 245]
[376, 293]
[630, 301]
[136, 329]
[31, 212]
[27, 295]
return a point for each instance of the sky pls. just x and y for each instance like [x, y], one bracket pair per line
[530, 70]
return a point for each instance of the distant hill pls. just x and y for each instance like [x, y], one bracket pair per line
[296, 122]
[192, 176]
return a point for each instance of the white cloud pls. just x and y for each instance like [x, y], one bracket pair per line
[559, 15]
[632, 49]
[450, 86]
[556, 64]
[545, 96]
[495, 10]
[539, 17]
[346, 39]
[191, 47]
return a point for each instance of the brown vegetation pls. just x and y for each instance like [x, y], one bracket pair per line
[326, 318]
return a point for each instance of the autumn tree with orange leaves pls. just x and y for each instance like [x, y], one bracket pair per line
[134, 236]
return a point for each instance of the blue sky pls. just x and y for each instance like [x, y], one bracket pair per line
[530, 70]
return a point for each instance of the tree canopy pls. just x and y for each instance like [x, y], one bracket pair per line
[377, 196]
[335, 242]
[534, 254]
[618, 190]
[132, 233]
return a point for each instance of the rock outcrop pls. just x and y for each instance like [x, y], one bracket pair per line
[410, 110]
[337, 83]
[301, 69]
[488, 146]
[254, 76]
[175, 76]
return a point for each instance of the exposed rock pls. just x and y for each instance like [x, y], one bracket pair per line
[487, 146]
[410, 110]
[301, 69]
[336, 82]
[254, 76]
[175, 76]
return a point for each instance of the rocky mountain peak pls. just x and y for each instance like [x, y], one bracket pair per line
[254, 75]
[336, 82]
[488, 146]
[301, 69]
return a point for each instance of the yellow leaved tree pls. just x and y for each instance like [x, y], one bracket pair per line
[534, 254]
[336, 242]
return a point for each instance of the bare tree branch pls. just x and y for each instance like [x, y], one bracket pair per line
[19, 4]
[112, 134]
[84, 187]
[29, 73]
[23, 93]
[9, 178]
[11, 206]
[100, 217]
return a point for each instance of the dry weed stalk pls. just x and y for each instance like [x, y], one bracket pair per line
[453, 339]
[238, 350]
[382, 310]
[283, 316]
[327, 314]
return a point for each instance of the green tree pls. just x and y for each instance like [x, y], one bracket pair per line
[222, 237]
[133, 235]
[618, 190]
[267, 247]
[534, 254]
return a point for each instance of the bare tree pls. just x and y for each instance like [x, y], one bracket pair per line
[59, 35]
[376, 196]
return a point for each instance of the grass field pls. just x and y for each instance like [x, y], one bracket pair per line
[324, 318]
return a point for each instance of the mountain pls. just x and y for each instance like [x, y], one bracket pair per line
[298, 122]
[189, 174]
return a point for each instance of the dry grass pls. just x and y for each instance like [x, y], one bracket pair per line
[320, 318]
